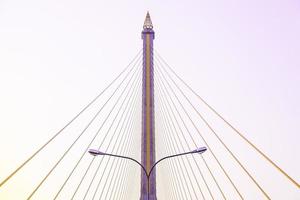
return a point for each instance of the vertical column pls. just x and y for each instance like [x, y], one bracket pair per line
[148, 132]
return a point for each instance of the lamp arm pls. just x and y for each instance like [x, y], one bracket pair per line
[128, 158]
[175, 155]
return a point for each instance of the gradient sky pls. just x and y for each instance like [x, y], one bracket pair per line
[243, 57]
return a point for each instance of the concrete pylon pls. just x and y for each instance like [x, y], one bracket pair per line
[148, 131]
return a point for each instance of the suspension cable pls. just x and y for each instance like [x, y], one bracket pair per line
[122, 127]
[63, 156]
[175, 144]
[175, 130]
[170, 163]
[127, 148]
[128, 164]
[174, 166]
[293, 181]
[172, 189]
[125, 165]
[130, 89]
[173, 124]
[62, 129]
[227, 148]
[110, 170]
[230, 152]
[94, 137]
[217, 160]
[166, 93]
[128, 128]
[171, 180]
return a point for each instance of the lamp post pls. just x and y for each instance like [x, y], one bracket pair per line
[95, 152]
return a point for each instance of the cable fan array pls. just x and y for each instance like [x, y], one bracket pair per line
[114, 126]
[184, 121]
[222, 172]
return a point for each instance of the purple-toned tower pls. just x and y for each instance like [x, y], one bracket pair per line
[148, 131]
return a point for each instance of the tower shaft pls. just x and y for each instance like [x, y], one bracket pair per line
[148, 132]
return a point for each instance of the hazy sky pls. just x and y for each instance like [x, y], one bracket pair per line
[242, 56]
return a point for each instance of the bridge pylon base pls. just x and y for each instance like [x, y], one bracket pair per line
[145, 197]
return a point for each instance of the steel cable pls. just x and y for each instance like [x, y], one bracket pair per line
[166, 93]
[179, 186]
[94, 137]
[230, 152]
[168, 119]
[118, 149]
[62, 129]
[217, 160]
[122, 127]
[293, 181]
[108, 131]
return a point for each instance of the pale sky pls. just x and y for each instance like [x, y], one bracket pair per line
[241, 56]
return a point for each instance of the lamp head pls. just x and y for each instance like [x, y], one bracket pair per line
[95, 152]
[200, 150]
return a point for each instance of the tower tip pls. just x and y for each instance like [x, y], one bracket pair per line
[148, 22]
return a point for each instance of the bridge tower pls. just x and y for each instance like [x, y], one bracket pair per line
[148, 131]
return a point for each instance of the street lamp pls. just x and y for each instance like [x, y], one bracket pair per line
[95, 152]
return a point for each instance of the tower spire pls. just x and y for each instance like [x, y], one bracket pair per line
[148, 22]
